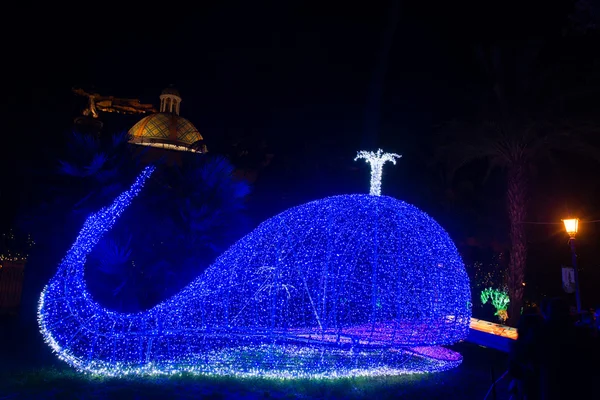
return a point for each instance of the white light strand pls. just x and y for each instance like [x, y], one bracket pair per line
[352, 285]
[376, 160]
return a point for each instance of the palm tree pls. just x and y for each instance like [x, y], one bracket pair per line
[206, 199]
[525, 124]
[186, 216]
[98, 167]
[89, 173]
[85, 176]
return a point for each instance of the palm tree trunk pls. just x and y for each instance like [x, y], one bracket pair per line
[517, 211]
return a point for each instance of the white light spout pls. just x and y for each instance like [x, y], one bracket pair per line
[376, 160]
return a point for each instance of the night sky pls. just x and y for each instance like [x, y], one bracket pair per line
[288, 72]
[296, 73]
[247, 61]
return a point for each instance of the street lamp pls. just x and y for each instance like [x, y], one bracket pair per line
[572, 226]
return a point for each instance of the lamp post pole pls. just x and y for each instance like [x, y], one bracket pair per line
[572, 227]
[574, 262]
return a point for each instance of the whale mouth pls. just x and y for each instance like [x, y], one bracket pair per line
[193, 333]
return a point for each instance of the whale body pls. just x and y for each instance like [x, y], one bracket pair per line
[314, 288]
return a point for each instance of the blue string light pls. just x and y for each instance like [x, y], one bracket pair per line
[344, 286]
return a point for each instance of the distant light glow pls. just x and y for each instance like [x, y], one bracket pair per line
[376, 160]
[352, 285]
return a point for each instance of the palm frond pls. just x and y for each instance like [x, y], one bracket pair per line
[83, 143]
[120, 139]
[96, 164]
[70, 169]
[107, 175]
[459, 144]
[112, 256]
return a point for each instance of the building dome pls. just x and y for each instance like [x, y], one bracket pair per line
[167, 129]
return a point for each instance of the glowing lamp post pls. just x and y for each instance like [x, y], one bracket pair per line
[572, 226]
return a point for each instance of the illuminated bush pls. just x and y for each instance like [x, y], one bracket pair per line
[499, 299]
[347, 285]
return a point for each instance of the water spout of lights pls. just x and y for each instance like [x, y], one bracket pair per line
[376, 160]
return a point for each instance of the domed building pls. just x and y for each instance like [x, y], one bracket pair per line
[167, 129]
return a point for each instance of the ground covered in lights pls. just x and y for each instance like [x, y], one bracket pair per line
[28, 370]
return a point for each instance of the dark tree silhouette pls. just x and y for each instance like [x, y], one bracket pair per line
[527, 117]
[187, 215]
[89, 173]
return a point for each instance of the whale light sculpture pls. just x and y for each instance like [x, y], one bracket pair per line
[344, 286]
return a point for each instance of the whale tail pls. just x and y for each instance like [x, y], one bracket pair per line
[74, 325]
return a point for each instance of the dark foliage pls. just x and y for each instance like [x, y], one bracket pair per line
[532, 114]
[189, 213]
[186, 216]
